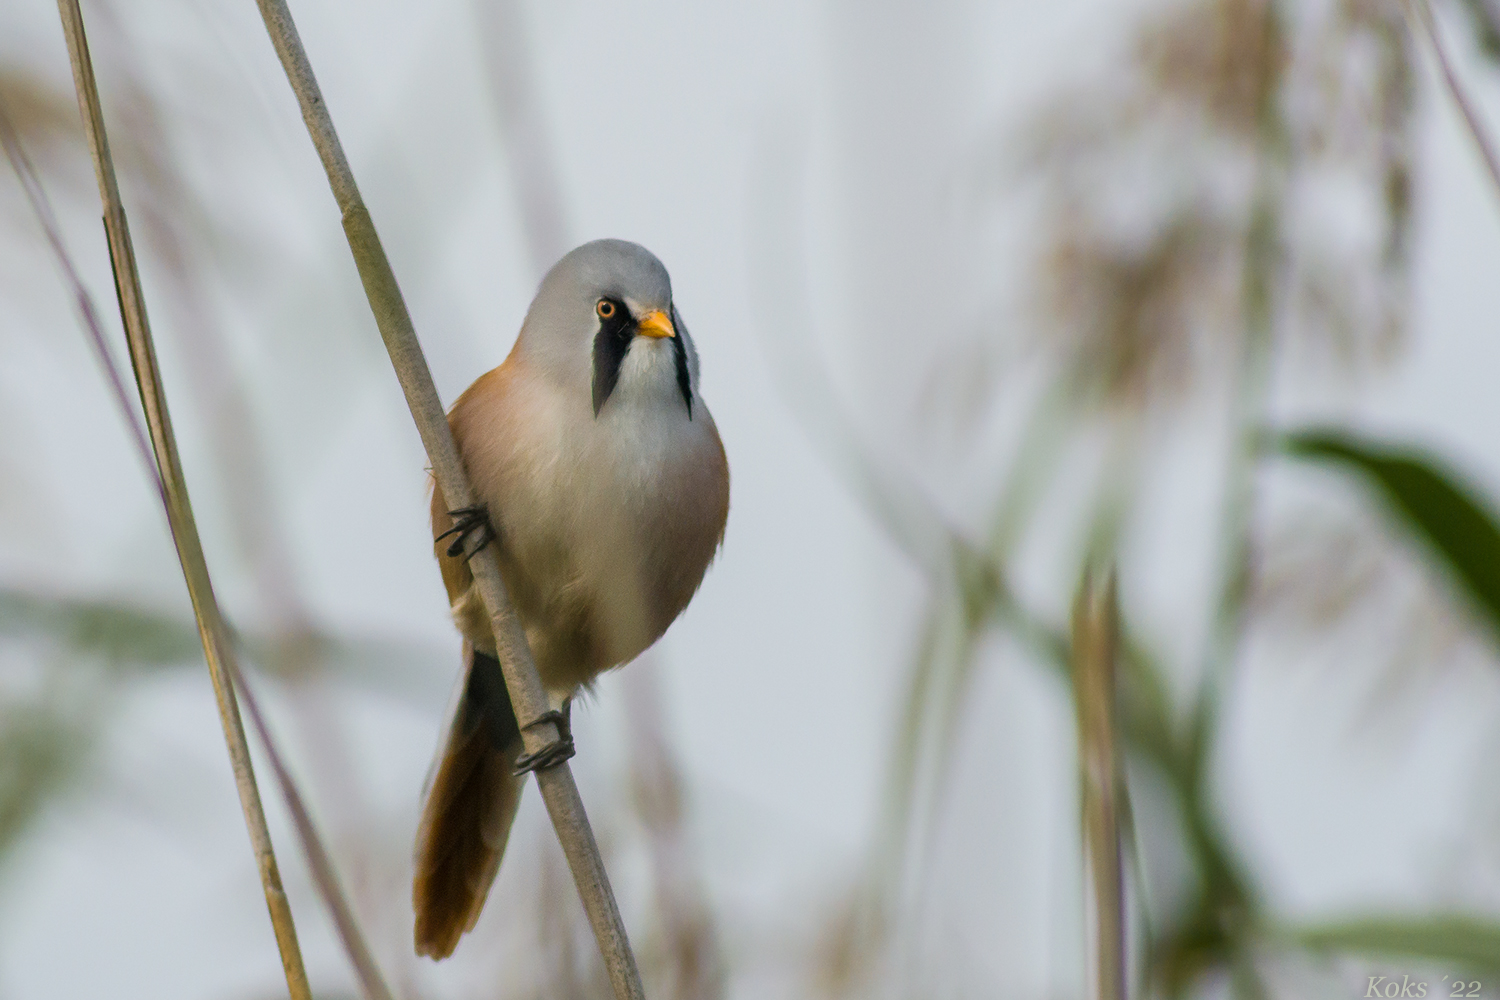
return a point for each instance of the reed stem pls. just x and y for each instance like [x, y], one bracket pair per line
[1095, 656]
[1421, 13]
[216, 645]
[526, 692]
[173, 492]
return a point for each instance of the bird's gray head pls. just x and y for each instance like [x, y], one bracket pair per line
[603, 323]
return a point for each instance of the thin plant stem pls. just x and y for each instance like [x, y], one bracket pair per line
[1095, 653]
[905, 767]
[163, 461]
[317, 854]
[527, 694]
[324, 874]
[1031, 469]
[216, 645]
[30, 184]
[239, 455]
[1420, 11]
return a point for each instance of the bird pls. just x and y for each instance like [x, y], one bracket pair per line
[603, 485]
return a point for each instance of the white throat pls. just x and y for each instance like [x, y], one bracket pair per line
[647, 387]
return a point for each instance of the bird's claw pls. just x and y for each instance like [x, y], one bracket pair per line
[553, 753]
[467, 521]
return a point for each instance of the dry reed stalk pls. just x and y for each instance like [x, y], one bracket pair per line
[223, 665]
[216, 646]
[317, 855]
[1095, 655]
[1420, 11]
[324, 875]
[527, 694]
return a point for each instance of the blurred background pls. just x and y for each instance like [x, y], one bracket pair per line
[983, 292]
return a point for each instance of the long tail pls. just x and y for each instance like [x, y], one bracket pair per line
[470, 807]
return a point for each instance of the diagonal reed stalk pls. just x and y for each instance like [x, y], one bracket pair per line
[162, 459]
[1095, 654]
[1420, 12]
[527, 694]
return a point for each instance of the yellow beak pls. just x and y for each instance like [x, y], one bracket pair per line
[655, 324]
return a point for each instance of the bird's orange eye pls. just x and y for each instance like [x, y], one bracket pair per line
[605, 309]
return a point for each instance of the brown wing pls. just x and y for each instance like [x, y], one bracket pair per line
[479, 423]
[456, 575]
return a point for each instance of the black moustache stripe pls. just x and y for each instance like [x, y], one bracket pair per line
[679, 353]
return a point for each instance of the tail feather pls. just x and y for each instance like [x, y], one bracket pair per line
[470, 807]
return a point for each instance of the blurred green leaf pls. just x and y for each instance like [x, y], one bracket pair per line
[115, 631]
[42, 747]
[1473, 942]
[122, 634]
[1484, 17]
[1432, 502]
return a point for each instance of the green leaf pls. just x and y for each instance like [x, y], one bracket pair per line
[130, 637]
[43, 746]
[1433, 503]
[1486, 25]
[1470, 941]
[115, 631]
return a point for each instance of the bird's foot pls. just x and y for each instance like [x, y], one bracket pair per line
[553, 753]
[468, 521]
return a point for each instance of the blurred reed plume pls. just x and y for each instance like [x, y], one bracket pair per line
[1233, 117]
[1195, 258]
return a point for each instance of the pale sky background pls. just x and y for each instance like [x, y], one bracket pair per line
[782, 680]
